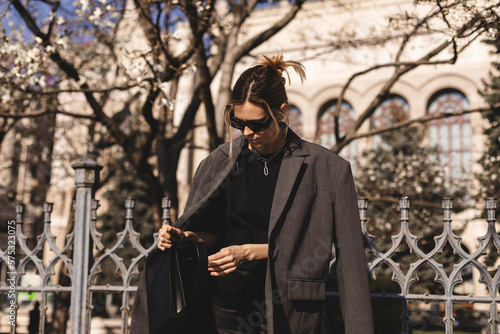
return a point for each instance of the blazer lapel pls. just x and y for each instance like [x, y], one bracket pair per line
[289, 170]
[214, 183]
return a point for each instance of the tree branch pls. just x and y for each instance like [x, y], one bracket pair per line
[206, 96]
[82, 90]
[152, 33]
[46, 112]
[258, 39]
[400, 70]
[55, 7]
[420, 120]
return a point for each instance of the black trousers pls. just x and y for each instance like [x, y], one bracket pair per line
[231, 321]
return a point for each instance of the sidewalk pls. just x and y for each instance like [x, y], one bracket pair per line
[22, 321]
[97, 325]
[105, 326]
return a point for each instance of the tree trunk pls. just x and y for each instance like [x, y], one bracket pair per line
[168, 153]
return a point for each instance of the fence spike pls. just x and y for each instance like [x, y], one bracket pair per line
[491, 205]
[447, 205]
[404, 205]
[47, 210]
[362, 206]
[19, 213]
[166, 204]
[129, 206]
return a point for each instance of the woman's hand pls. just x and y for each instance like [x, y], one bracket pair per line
[230, 258]
[169, 234]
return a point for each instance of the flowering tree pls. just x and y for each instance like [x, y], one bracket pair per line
[115, 69]
[116, 66]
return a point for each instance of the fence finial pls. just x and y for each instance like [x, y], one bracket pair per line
[491, 205]
[86, 172]
[362, 206]
[19, 213]
[166, 204]
[404, 206]
[47, 210]
[447, 205]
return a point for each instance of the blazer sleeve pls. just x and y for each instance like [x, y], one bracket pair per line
[352, 271]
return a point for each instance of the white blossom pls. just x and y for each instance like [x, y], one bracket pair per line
[95, 15]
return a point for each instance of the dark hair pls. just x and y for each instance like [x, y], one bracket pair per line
[264, 86]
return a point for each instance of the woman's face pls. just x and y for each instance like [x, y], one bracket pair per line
[260, 141]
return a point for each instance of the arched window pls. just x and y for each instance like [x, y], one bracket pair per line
[452, 134]
[295, 120]
[326, 127]
[392, 110]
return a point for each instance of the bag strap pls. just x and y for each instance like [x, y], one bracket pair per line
[176, 285]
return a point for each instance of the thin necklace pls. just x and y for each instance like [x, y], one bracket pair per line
[259, 157]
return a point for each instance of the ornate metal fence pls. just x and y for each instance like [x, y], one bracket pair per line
[84, 269]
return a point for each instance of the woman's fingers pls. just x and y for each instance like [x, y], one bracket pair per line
[226, 260]
[167, 230]
[169, 234]
[164, 243]
[166, 235]
[220, 271]
[222, 266]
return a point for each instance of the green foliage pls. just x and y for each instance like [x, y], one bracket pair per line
[402, 165]
[489, 177]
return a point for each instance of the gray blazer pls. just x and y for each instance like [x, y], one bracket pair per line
[314, 206]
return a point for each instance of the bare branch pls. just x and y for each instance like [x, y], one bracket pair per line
[414, 32]
[6, 9]
[82, 90]
[374, 68]
[46, 112]
[152, 33]
[420, 120]
[252, 43]
[442, 11]
[399, 71]
[25, 15]
[55, 7]
[199, 26]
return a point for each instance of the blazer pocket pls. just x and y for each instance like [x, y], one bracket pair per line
[303, 289]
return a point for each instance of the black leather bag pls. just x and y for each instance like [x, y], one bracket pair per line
[177, 286]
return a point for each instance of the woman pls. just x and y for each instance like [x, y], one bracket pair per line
[268, 206]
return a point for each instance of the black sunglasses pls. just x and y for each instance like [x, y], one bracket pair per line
[255, 126]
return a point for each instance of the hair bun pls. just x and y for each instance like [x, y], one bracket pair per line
[281, 66]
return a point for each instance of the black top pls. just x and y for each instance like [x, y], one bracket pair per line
[249, 197]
